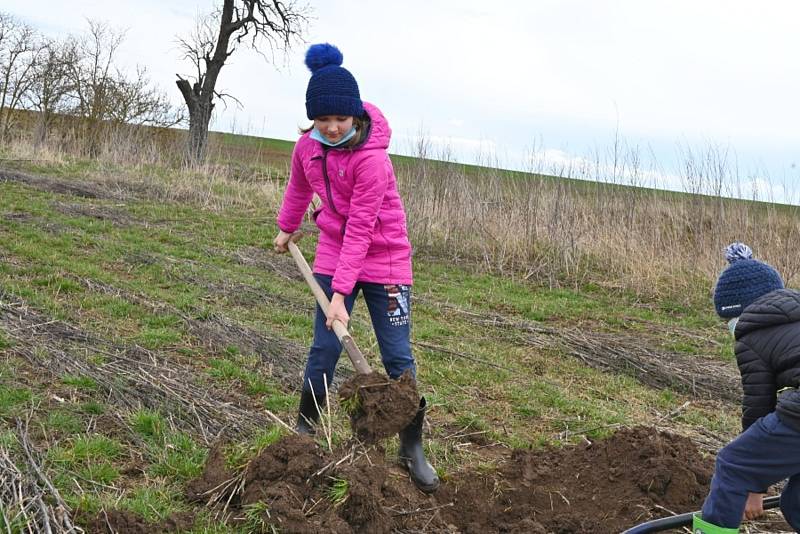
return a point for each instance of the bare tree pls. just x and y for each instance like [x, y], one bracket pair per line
[254, 23]
[103, 95]
[19, 53]
[50, 89]
[91, 77]
[136, 101]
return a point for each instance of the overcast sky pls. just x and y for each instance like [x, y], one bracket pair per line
[501, 78]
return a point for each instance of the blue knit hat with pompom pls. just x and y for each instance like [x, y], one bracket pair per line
[332, 90]
[743, 281]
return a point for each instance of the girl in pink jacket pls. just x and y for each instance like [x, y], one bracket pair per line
[363, 241]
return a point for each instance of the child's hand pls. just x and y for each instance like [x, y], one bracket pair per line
[281, 241]
[754, 507]
[337, 311]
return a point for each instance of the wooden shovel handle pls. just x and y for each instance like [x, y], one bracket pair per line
[359, 362]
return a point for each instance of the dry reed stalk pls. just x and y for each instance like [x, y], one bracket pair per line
[29, 502]
[655, 243]
[132, 376]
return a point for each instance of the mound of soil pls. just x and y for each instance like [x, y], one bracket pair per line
[611, 485]
[606, 487]
[384, 406]
[119, 521]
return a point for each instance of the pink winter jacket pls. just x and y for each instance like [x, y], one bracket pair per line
[363, 235]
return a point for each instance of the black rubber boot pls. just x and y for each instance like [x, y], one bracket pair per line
[309, 415]
[412, 455]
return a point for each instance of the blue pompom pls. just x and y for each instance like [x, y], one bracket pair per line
[322, 55]
[738, 251]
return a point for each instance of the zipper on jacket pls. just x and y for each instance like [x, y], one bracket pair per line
[328, 188]
[328, 182]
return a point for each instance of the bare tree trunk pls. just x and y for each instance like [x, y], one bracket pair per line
[200, 108]
[199, 97]
[40, 135]
[198, 131]
[275, 23]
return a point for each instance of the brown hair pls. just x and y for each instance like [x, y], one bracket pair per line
[361, 124]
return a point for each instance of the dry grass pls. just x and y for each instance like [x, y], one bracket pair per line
[653, 243]
[30, 501]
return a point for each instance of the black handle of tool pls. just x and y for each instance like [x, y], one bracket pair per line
[685, 520]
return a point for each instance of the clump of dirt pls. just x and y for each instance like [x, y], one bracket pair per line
[363, 508]
[278, 477]
[118, 521]
[287, 476]
[289, 461]
[606, 487]
[383, 406]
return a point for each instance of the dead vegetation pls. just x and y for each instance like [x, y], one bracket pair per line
[597, 220]
[130, 375]
[258, 257]
[282, 359]
[63, 187]
[29, 498]
[115, 215]
[696, 376]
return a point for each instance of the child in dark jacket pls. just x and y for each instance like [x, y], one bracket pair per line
[765, 321]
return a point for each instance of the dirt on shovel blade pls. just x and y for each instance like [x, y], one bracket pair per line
[383, 406]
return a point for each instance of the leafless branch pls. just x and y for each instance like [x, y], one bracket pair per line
[258, 24]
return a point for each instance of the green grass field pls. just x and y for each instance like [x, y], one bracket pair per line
[140, 273]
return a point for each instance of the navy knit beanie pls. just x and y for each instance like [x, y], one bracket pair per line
[743, 281]
[332, 90]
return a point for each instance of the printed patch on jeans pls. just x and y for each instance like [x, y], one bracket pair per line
[397, 309]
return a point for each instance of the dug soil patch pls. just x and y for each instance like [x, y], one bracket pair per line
[607, 486]
[124, 521]
[604, 487]
[383, 407]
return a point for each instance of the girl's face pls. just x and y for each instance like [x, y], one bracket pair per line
[333, 127]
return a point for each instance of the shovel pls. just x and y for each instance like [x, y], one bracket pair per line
[685, 520]
[380, 406]
[359, 362]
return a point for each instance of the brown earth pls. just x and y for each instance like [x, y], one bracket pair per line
[603, 487]
[127, 522]
[384, 406]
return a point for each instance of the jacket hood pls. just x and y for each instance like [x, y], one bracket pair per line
[379, 131]
[781, 306]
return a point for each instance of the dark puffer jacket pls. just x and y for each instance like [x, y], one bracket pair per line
[768, 355]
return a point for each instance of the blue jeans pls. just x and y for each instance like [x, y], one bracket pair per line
[766, 453]
[390, 310]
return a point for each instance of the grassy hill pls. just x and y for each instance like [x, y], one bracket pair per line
[143, 315]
